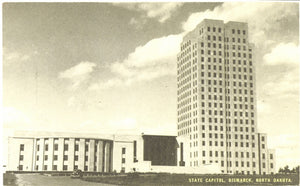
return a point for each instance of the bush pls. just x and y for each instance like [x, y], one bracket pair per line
[133, 175]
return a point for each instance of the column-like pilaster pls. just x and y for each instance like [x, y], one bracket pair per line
[100, 156]
[91, 155]
[81, 161]
[71, 153]
[106, 159]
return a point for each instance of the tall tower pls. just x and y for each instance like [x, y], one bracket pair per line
[216, 102]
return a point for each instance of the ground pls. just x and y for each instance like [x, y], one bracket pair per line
[9, 179]
[38, 180]
[149, 179]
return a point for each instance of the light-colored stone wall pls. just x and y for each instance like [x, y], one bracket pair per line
[216, 98]
[14, 154]
[38, 157]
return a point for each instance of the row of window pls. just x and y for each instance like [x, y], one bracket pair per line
[228, 136]
[185, 45]
[183, 67]
[212, 45]
[216, 112]
[65, 167]
[229, 154]
[65, 158]
[216, 97]
[184, 88]
[184, 131]
[183, 74]
[183, 115]
[183, 96]
[214, 29]
[214, 38]
[234, 40]
[188, 130]
[239, 31]
[216, 144]
[66, 147]
[184, 81]
[238, 47]
[214, 75]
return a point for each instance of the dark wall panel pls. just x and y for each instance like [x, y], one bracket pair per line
[160, 150]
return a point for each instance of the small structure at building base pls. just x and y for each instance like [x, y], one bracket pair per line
[77, 174]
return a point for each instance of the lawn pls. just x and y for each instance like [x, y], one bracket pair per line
[152, 179]
[9, 179]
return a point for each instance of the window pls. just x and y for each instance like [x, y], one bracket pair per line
[38, 147]
[55, 157]
[123, 150]
[21, 157]
[20, 167]
[76, 158]
[208, 29]
[55, 146]
[76, 147]
[134, 150]
[21, 147]
[66, 147]
[45, 167]
[65, 157]
[46, 157]
[123, 160]
[65, 167]
[54, 167]
[86, 158]
[46, 147]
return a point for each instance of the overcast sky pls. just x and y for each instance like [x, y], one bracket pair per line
[103, 67]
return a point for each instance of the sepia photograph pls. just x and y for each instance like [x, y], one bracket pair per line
[150, 93]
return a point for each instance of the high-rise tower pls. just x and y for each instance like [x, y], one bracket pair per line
[216, 102]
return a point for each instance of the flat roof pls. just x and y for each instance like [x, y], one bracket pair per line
[53, 134]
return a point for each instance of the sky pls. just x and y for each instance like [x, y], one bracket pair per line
[111, 67]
